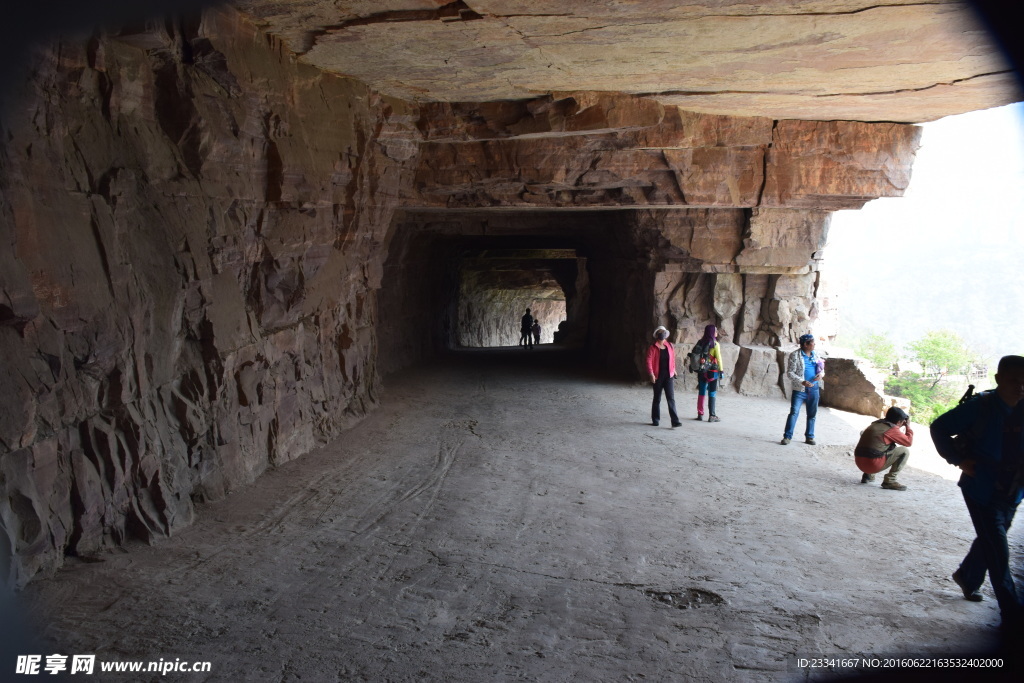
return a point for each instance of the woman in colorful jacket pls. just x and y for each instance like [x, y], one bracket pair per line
[707, 378]
[661, 366]
[805, 370]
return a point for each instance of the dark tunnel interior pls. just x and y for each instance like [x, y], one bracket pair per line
[463, 279]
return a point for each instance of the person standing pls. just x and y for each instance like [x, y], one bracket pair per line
[804, 371]
[709, 370]
[526, 330]
[661, 366]
[984, 437]
[883, 445]
[536, 331]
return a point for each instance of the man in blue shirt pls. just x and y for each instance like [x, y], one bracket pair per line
[804, 370]
[985, 439]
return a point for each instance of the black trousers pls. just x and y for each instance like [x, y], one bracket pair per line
[664, 384]
[991, 552]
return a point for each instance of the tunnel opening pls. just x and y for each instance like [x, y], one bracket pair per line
[496, 287]
[463, 279]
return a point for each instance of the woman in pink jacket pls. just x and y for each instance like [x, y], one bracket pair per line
[661, 366]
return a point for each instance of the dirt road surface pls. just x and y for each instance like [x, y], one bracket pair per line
[512, 516]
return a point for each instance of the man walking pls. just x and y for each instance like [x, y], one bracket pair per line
[984, 438]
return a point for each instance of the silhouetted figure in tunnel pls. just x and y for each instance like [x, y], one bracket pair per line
[526, 330]
[536, 332]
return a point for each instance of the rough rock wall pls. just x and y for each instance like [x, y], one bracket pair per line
[417, 309]
[190, 222]
[682, 160]
[852, 384]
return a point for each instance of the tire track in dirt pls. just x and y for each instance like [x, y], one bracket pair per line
[450, 441]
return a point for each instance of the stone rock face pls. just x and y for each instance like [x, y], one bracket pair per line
[782, 238]
[684, 160]
[577, 113]
[186, 289]
[757, 371]
[826, 164]
[852, 384]
[786, 59]
[753, 275]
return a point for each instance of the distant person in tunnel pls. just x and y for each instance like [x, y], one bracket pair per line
[706, 361]
[536, 332]
[661, 365]
[526, 330]
[984, 437]
[883, 445]
[805, 370]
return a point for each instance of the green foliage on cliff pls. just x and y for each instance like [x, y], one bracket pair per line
[927, 400]
[879, 350]
[941, 353]
[947, 362]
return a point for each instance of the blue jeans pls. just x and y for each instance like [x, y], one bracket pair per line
[990, 553]
[810, 396]
[706, 387]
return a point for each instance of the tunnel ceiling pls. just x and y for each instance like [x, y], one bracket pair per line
[855, 60]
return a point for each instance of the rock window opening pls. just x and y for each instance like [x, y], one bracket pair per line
[497, 286]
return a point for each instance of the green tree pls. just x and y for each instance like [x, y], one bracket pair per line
[879, 350]
[940, 353]
[927, 401]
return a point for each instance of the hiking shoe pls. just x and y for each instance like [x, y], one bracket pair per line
[810, 441]
[973, 596]
[677, 424]
[866, 478]
[714, 418]
[699, 417]
[784, 442]
[893, 486]
[654, 423]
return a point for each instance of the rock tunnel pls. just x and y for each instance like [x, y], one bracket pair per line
[221, 231]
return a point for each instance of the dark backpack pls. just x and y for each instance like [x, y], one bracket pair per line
[964, 442]
[700, 360]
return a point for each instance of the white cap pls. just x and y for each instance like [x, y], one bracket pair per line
[660, 328]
